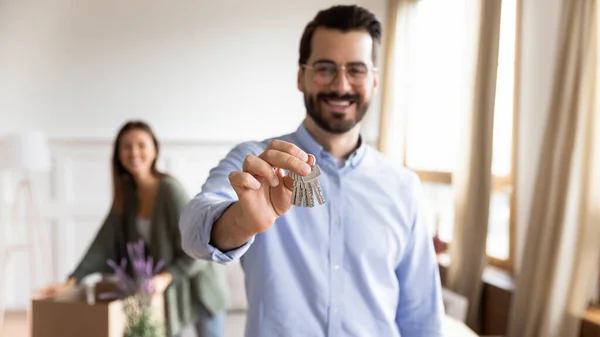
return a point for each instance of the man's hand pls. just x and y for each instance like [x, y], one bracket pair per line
[263, 191]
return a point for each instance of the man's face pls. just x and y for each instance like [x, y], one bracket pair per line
[337, 99]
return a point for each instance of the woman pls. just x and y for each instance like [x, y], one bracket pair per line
[146, 205]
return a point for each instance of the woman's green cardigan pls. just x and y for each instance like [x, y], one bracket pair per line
[193, 280]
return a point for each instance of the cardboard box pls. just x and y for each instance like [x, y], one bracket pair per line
[80, 313]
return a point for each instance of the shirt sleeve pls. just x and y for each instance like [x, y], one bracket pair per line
[420, 306]
[199, 215]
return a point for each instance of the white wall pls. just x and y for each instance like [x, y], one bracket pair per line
[205, 74]
[196, 70]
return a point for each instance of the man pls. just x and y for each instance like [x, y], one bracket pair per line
[362, 264]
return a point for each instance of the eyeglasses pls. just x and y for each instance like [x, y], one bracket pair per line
[325, 72]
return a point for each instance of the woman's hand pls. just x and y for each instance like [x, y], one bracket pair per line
[161, 281]
[54, 289]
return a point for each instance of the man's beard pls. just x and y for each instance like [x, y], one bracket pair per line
[337, 124]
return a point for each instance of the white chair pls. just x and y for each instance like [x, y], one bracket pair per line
[23, 154]
[456, 306]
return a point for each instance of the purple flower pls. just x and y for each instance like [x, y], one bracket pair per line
[140, 283]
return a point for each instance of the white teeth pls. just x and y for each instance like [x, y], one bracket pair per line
[339, 103]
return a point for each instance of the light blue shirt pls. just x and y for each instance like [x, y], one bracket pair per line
[362, 264]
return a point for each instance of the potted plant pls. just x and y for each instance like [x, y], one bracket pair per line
[136, 291]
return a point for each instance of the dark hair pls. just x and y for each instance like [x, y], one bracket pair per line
[344, 18]
[119, 174]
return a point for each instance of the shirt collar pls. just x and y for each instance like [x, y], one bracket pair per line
[311, 146]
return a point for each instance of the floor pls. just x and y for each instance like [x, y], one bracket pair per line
[15, 325]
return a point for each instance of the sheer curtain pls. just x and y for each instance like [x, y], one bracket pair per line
[559, 262]
[396, 33]
[472, 180]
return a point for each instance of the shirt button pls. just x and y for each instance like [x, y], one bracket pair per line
[335, 310]
[336, 267]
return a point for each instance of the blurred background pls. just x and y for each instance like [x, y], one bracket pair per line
[492, 103]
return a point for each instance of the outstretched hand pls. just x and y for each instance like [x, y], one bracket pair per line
[263, 190]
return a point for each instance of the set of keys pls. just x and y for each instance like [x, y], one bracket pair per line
[305, 188]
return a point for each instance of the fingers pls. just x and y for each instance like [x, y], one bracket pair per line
[243, 180]
[289, 148]
[47, 292]
[267, 167]
[257, 166]
[40, 294]
[287, 156]
[285, 161]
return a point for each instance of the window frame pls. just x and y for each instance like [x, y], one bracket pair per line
[499, 183]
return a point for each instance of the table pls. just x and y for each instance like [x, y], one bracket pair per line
[456, 328]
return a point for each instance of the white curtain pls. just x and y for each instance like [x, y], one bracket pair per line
[559, 262]
[392, 119]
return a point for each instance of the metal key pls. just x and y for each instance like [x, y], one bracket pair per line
[312, 182]
[305, 188]
[292, 175]
[295, 189]
[308, 192]
[300, 195]
[297, 192]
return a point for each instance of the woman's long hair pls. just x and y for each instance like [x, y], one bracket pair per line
[120, 175]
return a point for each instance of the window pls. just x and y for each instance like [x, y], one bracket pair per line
[435, 61]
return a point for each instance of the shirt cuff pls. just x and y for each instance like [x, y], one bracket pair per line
[231, 255]
[216, 254]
